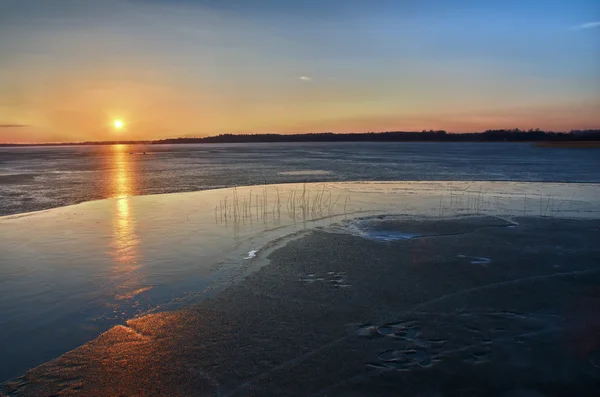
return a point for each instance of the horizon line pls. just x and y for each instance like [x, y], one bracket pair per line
[158, 141]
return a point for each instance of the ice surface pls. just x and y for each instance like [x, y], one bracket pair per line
[110, 171]
[418, 318]
[70, 273]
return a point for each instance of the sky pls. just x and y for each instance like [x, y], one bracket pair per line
[181, 68]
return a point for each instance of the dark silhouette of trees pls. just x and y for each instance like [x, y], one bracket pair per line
[503, 135]
[514, 135]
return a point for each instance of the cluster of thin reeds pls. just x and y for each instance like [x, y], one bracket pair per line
[465, 200]
[479, 202]
[269, 203]
[305, 204]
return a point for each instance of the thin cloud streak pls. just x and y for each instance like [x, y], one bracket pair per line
[13, 125]
[305, 78]
[587, 25]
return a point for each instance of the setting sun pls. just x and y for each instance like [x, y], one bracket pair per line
[118, 124]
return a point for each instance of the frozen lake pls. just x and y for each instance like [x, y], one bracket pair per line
[35, 178]
[70, 273]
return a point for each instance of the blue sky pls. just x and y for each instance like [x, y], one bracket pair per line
[68, 68]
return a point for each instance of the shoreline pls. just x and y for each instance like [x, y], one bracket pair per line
[18, 215]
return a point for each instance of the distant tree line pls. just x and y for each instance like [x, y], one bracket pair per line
[514, 135]
[505, 135]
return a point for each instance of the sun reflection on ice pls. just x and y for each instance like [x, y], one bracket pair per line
[125, 237]
[123, 185]
[126, 242]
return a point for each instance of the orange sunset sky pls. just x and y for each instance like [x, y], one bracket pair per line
[69, 69]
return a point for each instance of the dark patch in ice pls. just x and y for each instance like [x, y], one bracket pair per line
[379, 228]
[392, 228]
[388, 236]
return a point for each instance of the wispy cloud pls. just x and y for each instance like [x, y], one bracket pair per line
[13, 125]
[305, 78]
[587, 25]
